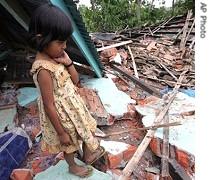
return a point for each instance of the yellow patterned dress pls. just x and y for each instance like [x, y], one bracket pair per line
[74, 116]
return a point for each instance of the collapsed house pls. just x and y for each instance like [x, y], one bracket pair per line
[142, 98]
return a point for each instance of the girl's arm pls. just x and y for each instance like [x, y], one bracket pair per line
[46, 89]
[66, 61]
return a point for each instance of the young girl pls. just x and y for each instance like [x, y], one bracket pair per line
[65, 120]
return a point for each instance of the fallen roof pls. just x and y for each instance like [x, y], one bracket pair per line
[15, 16]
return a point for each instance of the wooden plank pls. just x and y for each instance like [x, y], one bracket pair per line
[145, 142]
[133, 62]
[114, 45]
[161, 125]
[141, 84]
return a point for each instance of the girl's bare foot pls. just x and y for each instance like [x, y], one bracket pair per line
[80, 171]
[75, 169]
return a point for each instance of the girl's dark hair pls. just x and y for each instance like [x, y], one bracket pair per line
[48, 23]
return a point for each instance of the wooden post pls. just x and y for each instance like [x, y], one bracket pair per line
[182, 44]
[165, 152]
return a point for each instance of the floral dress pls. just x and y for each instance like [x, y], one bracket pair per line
[73, 114]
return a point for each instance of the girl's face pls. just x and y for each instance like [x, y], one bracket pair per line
[55, 49]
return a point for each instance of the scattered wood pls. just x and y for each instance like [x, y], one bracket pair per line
[159, 59]
[145, 142]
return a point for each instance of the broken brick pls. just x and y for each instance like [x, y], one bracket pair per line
[95, 106]
[21, 174]
[119, 160]
[182, 158]
[115, 160]
[107, 53]
[127, 155]
[155, 146]
[152, 176]
[185, 159]
[36, 166]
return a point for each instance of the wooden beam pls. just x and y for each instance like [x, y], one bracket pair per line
[161, 125]
[141, 84]
[114, 45]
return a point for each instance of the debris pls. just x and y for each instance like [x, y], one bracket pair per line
[114, 45]
[142, 147]
[138, 82]
[106, 88]
[119, 153]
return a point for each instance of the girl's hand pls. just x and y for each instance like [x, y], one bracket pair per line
[65, 139]
[64, 59]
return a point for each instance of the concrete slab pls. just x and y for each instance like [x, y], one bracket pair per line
[114, 101]
[27, 95]
[60, 172]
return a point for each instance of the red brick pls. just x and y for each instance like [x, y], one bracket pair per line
[151, 176]
[115, 160]
[36, 166]
[108, 53]
[127, 154]
[155, 146]
[182, 158]
[21, 174]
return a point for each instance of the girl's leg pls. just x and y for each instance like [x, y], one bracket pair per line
[74, 168]
[90, 156]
